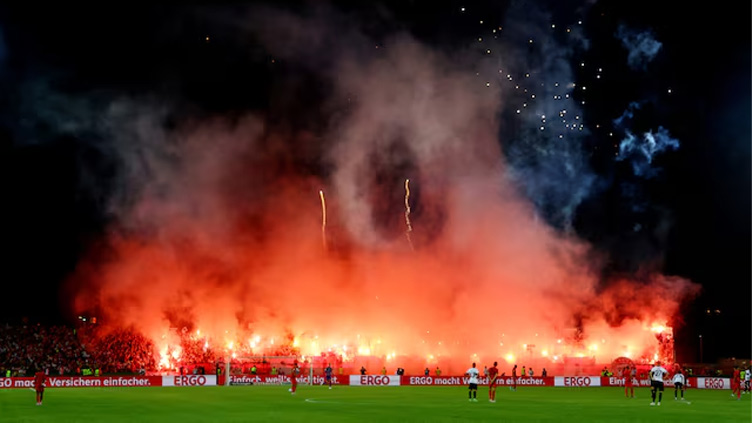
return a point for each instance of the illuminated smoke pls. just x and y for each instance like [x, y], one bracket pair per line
[641, 47]
[641, 150]
[239, 259]
[542, 127]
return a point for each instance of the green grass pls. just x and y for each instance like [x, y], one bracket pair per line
[364, 404]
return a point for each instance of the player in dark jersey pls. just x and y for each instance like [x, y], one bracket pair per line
[328, 375]
[493, 373]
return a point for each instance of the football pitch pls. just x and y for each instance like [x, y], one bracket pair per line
[365, 404]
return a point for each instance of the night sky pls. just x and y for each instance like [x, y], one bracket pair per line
[679, 204]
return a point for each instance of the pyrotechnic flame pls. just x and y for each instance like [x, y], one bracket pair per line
[164, 358]
[407, 214]
[658, 328]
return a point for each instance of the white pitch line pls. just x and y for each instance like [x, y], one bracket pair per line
[318, 401]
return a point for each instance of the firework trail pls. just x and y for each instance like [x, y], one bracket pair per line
[323, 219]
[407, 213]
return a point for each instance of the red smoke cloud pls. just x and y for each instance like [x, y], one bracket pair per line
[220, 231]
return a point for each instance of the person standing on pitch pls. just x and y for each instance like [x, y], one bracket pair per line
[628, 382]
[493, 373]
[294, 377]
[39, 386]
[679, 383]
[472, 393]
[736, 383]
[328, 375]
[514, 379]
[657, 373]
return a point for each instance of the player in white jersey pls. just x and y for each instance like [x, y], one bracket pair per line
[657, 373]
[679, 382]
[746, 380]
[473, 381]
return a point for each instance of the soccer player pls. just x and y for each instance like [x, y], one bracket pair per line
[493, 373]
[328, 375]
[514, 379]
[679, 382]
[294, 377]
[736, 382]
[628, 382]
[472, 393]
[746, 380]
[39, 386]
[657, 373]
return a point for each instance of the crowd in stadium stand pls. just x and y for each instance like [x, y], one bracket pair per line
[90, 350]
[119, 351]
[61, 350]
[26, 348]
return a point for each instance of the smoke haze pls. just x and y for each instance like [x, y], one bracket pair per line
[217, 223]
